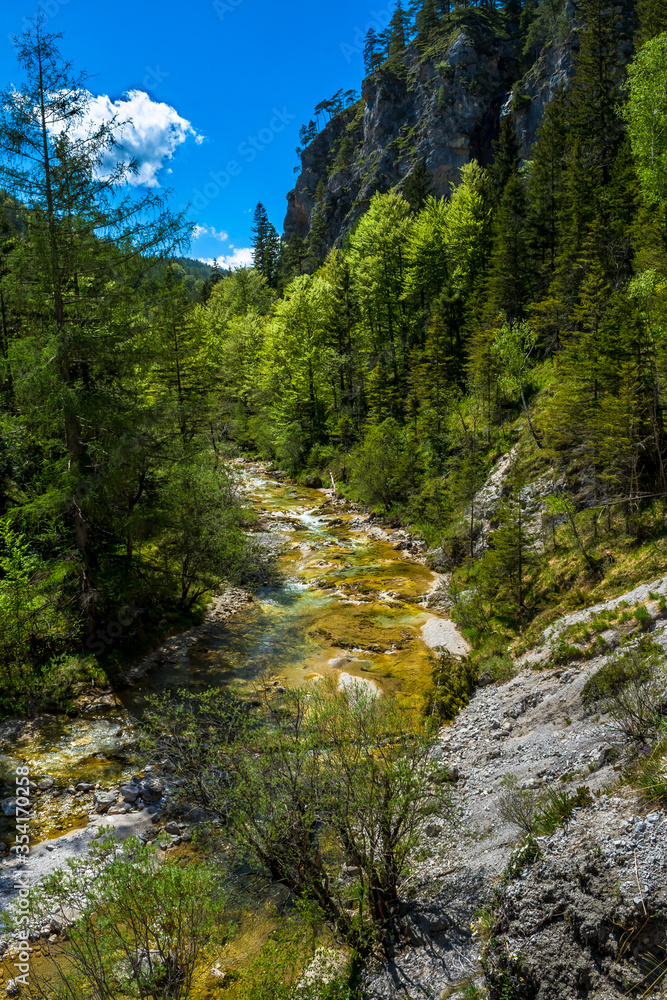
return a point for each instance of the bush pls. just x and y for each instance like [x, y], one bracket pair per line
[311, 784]
[556, 807]
[522, 856]
[518, 805]
[650, 774]
[453, 683]
[497, 670]
[384, 467]
[141, 926]
[539, 812]
[632, 688]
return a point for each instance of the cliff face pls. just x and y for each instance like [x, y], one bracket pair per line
[443, 106]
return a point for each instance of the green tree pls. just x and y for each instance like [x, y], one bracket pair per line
[418, 186]
[645, 114]
[266, 245]
[399, 30]
[56, 169]
[373, 54]
[141, 925]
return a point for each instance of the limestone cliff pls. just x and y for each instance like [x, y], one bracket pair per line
[443, 105]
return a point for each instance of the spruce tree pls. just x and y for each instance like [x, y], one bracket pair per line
[372, 51]
[418, 186]
[399, 30]
[266, 245]
[505, 159]
[509, 275]
[74, 209]
[545, 189]
[318, 241]
[594, 91]
[652, 16]
[426, 17]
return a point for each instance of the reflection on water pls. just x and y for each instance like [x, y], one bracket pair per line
[348, 606]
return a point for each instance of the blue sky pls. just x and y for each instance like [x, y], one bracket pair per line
[217, 91]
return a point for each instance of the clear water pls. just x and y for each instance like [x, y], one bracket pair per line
[348, 607]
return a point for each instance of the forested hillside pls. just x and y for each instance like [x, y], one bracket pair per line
[523, 308]
[524, 311]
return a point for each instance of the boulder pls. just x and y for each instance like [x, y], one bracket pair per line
[103, 800]
[46, 784]
[151, 790]
[8, 807]
[130, 792]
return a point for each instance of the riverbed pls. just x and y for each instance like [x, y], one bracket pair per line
[350, 603]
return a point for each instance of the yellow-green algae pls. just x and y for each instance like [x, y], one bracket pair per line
[348, 606]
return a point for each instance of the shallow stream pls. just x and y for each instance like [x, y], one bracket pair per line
[349, 605]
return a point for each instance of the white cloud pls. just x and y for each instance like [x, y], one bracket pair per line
[149, 132]
[242, 257]
[211, 231]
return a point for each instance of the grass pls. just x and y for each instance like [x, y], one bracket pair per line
[649, 775]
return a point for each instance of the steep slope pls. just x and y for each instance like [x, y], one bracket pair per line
[440, 104]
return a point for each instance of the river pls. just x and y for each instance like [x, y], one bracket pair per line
[349, 604]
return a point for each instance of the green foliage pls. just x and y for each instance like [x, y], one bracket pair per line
[521, 857]
[322, 782]
[649, 775]
[111, 430]
[539, 812]
[140, 929]
[645, 115]
[631, 688]
[291, 966]
[453, 683]
[384, 467]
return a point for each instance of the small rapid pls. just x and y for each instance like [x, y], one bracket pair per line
[350, 605]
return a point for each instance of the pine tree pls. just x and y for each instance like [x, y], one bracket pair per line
[545, 189]
[399, 30]
[509, 276]
[418, 186]
[652, 16]
[594, 91]
[318, 241]
[505, 159]
[266, 245]
[426, 17]
[293, 257]
[373, 57]
[64, 266]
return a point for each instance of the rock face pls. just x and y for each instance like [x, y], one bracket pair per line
[444, 108]
[442, 105]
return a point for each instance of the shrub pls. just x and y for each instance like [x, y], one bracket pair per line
[539, 812]
[141, 925]
[518, 805]
[453, 683]
[631, 689]
[322, 781]
[522, 856]
[556, 807]
[650, 773]
[497, 670]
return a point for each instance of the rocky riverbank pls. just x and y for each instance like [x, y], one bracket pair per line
[588, 917]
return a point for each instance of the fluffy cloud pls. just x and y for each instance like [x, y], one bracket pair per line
[241, 257]
[149, 132]
[211, 231]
